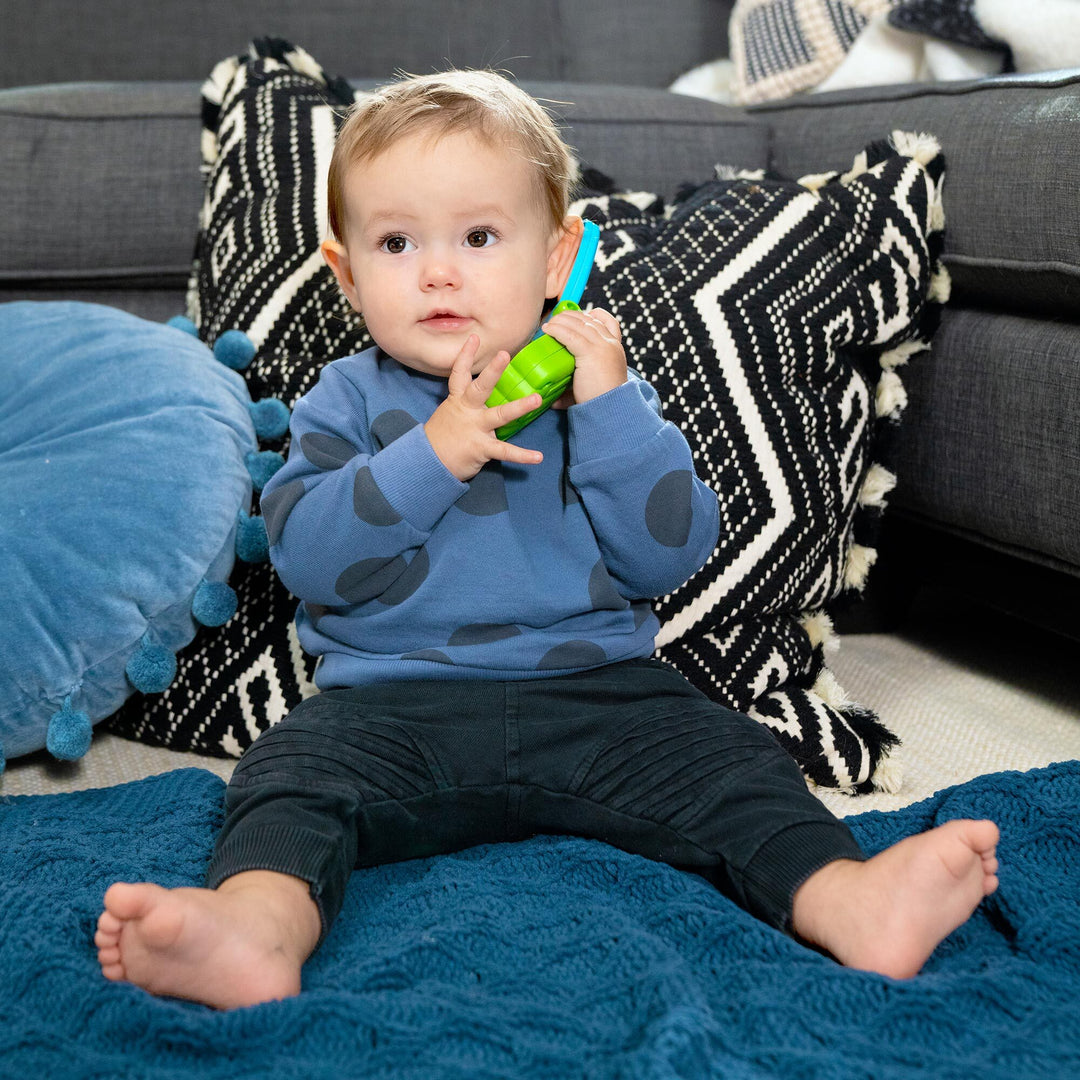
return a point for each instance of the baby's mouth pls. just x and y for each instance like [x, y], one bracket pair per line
[445, 320]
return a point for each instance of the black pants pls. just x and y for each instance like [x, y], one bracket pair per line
[630, 754]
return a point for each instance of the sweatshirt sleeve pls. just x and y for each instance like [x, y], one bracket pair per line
[656, 522]
[343, 517]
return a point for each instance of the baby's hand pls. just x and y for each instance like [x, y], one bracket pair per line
[594, 339]
[462, 429]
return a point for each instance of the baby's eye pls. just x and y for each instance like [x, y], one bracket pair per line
[479, 238]
[395, 245]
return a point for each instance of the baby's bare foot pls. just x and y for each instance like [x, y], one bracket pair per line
[888, 914]
[241, 944]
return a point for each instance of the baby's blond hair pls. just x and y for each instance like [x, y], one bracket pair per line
[483, 103]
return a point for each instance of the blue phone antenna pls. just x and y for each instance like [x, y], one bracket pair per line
[579, 275]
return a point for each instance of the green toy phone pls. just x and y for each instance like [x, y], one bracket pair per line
[544, 366]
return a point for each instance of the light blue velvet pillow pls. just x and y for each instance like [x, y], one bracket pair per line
[125, 450]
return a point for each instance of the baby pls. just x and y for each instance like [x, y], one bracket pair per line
[480, 607]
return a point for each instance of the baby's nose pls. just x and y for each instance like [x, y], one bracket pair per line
[440, 273]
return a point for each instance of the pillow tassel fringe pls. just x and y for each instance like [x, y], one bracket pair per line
[151, 668]
[252, 542]
[214, 603]
[69, 734]
[919, 145]
[902, 353]
[890, 400]
[857, 569]
[885, 769]
[940, 286]
[878, 483]
[819, 629]
[890, 397]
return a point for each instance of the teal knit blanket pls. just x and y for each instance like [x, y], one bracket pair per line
[555, 957]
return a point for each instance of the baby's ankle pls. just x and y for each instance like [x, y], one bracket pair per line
[816, 901]
[285, 899]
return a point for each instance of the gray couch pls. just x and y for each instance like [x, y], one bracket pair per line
[99, 120]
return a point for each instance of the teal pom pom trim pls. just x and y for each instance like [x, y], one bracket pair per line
[262, 466]
[69, 733]
[151, 668]
[234, 349]
[270, 417]
[182, 322]
[252, 543]
[214, 603]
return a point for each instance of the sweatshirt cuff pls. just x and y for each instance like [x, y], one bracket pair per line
[414, 480]
[611, 424]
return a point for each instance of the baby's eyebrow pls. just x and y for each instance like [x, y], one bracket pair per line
[383, 217]
[468, 215]
[485, 210]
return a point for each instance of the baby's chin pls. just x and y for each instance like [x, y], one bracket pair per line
[440, 362]
[438, 367]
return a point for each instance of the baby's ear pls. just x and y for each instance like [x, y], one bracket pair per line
[337, 258]
[562, 254]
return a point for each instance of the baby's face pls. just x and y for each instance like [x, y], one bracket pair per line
[447, 237]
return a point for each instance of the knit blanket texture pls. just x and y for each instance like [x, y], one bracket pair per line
[555, 957]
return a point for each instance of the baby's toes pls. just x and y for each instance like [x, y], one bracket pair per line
[104, 940]
[108, 956]
[109, 924]
[114, 972]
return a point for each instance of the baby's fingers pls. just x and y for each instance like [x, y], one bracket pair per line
[606, 321]
[485, 382]
[499, 415]
[517, 455]
[577, 329]
[461, 372]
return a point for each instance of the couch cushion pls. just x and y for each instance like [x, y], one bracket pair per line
[990, 443]
[112, 171]
[98, 185]
[654, 140]
[123, 475]
[1014, 218]
[817, 269]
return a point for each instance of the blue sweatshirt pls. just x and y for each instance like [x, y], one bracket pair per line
[405, 572]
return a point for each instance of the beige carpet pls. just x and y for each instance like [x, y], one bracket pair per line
[968, 695]
[966, 700]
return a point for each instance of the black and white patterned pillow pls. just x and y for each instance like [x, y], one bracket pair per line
[835, 277]
[771, 315]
